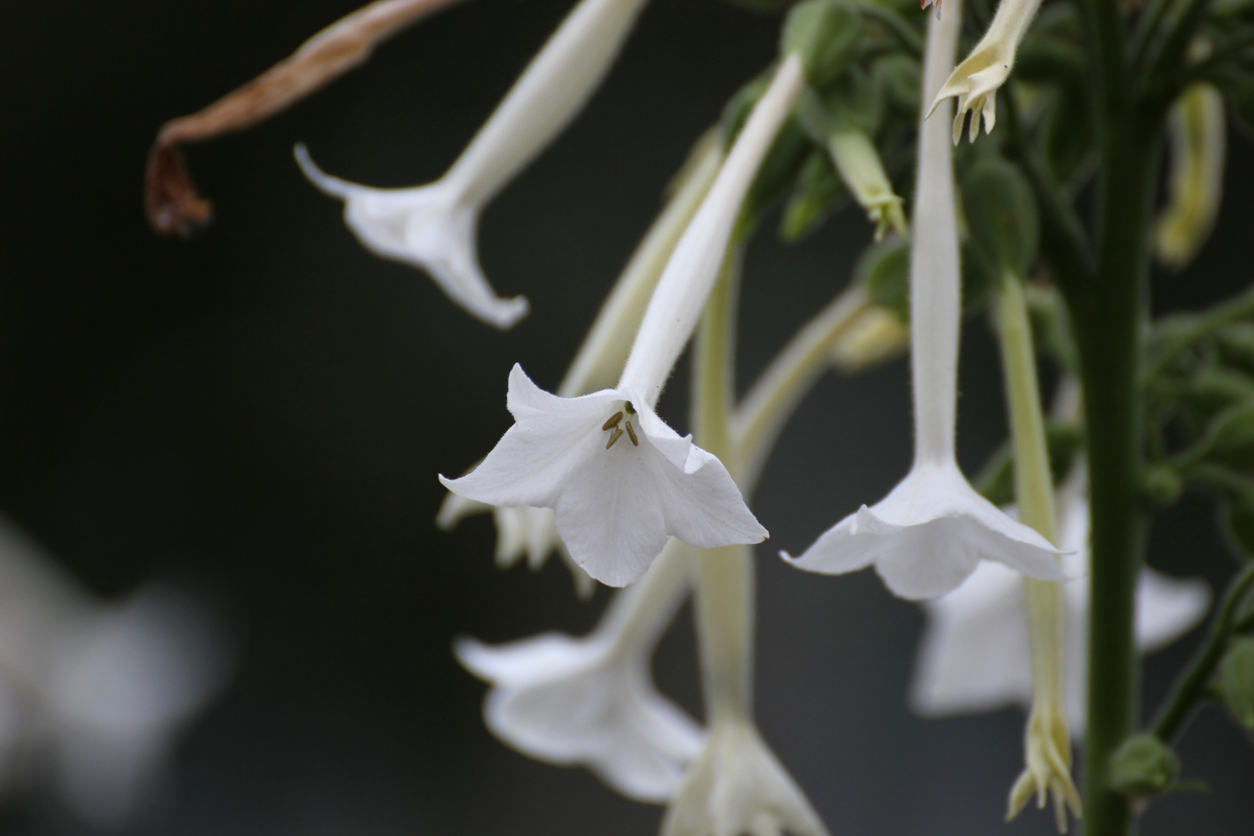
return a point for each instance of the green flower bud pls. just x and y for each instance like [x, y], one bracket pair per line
[1163, 484]
[1234, 681]
[815, 193]
[1001, 213]
[824, 34]
[1143, 766]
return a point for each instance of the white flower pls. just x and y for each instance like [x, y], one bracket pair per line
[975, 80]
[928, 535]
[591, 701]
[932, 530]
[738, 786]
[974, 656]
[619, 480]
[94, 693]
[433, 227]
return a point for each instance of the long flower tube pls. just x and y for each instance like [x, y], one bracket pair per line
[434, 227]
[1047, 742]
[737, 785]
[927, 536]
[532, 531]
[615, 508]
[975, 81]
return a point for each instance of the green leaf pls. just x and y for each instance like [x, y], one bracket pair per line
[1001, 212]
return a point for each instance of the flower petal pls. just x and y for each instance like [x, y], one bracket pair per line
[427, 227]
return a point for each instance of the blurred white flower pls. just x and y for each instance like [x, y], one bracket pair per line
[927, 536]
[97, 691]
[974, 656]
[591, 701]
[434, 227]
[738, 786]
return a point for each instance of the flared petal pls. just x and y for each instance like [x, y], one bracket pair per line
[739, 787]
[615, 505]
[428, 227]
[928, 535]
[575, 702]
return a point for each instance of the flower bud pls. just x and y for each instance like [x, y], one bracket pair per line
[1163, 484]
[824, 34]
[1143, 766]
[1001, 212]
[1234, 681]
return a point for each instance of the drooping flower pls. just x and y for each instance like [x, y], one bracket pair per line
[932, 530]
[591, 701]
[975, 81]
[974, 655]
[434, 227]
[618, 478]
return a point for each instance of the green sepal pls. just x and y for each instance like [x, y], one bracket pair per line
[1143, 766]
[1234, 680]
[824, 34]
[1001, 214]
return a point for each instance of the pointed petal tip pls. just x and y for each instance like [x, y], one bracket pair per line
[333, 186]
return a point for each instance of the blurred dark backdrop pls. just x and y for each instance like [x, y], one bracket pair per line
[263, 410]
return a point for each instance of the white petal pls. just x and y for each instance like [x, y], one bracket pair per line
[456, 508]
[1167, 608]
[573, 702]
[974, 653]
[739, 787]
[427, 227]
[615, 508]
[927, 536]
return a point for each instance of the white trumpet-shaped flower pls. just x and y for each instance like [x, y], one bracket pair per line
[974, 655]
[533, 531]
[434, 227]
[927, 536]
[591, 701]
[738, 786]
[618, 478]
[975, 81]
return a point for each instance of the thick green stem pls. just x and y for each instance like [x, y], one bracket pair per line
[1107, 314]
[725, 589]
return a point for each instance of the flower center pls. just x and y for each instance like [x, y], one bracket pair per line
[616, 432]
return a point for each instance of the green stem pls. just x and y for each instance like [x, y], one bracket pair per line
[1191, 687]
[725, 590]
[1107, 314]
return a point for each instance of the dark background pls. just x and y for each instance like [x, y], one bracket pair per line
[262, 411]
